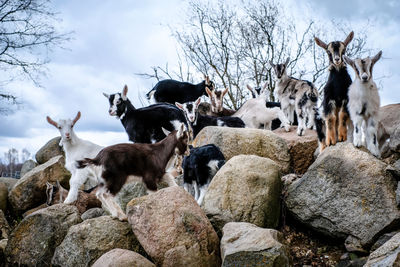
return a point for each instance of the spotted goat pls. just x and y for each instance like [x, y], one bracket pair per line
[296, 95]
[335, 112]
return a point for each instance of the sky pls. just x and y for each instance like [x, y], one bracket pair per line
[114, 40]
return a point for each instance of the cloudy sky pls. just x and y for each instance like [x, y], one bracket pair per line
[113, 40]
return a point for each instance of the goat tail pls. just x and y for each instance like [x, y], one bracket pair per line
[80, 164]
[150, 94]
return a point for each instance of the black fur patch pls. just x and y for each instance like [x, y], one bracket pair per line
[364, 108]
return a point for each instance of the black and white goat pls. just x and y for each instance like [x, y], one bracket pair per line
[143, 125]
[75, 149]
[198, 121]
[171, 91]
[149, 162]
[200, 167]
[296, 95]
[364, 103]
[254, 112]
[336, 89]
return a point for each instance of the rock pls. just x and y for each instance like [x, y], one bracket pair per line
[3, 244]
[122, 258]
[128, 192]
[246, 189]
[245, 244]
[87, 241]
[301, 148]
[394, 143]
[389, 117]
[387, 254]
[382, 240]
[346, 193]
[50, 150]
[4, 226]
[92, 213]
[173, 229]
[237, 141]
[3, 196]
[10, 182]
[28, 212]
[30, 190]
[34, 240]
[27, 166]
[289, 178]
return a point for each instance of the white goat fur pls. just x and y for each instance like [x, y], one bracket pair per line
[254, 113]
[364, 103]
[76, 149]
[298, 95]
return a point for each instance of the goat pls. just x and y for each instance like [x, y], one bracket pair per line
[151, 162]
[200, 167]
[75, 148]
[364, 103]
[255, 92]
[198, 121]
[336, 89]
[143, 125]
[217, 103]
[86, 199]
[254, 112]
[171, 91]
[296, 95]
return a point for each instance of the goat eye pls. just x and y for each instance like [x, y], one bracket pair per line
[59, 127]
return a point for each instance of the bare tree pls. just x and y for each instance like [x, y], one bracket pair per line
[27, 33]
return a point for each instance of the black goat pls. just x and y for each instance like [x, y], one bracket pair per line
[198, 121]
[336, 90]
[143, 125]
[171, 91]
[200, 167]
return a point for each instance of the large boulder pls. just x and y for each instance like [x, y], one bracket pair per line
[4, 226]
[389, 117]
[122, 258]
[346, 193]
[301, 148]
[10, 182]
[173, 229]
[33, 241]
[128, 192]
[246, 189]
[386, 255]
[3, 196]
[51, 149]
[244, 244]
[27, 166]
[87, 241]
[238, 141]
[30, 190]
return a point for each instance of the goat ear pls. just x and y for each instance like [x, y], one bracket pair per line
[376, 57]
[179, 105]
[78, 116]
[125, 93]
[165, 131]
[287, 61]
[349, 61]
[197, 103]
[249, 87]
[49, 120]
[320, 43]
[106, 95]
[348, 38]
[225, 91]
[208, 91]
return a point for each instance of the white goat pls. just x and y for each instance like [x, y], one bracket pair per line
[255, 113]
[76, 149]
[364, 103]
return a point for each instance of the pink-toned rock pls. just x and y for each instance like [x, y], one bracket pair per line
[122, 258]
[173, 229]
[301, 148]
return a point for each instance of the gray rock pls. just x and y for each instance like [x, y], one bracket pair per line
[246, 189]
[30, 190]
[92, 213]
[382, 240]
[4, 226]
[122, 258]
[346, 194]
[87, 241]
[27, 166]
[3, 196]
[386, 255]
[34, 240]
[245, 244]
[128, 192]
[49, 150]
[10, 182]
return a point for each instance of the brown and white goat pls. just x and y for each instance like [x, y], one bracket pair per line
[217, 103]
[151, 162]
